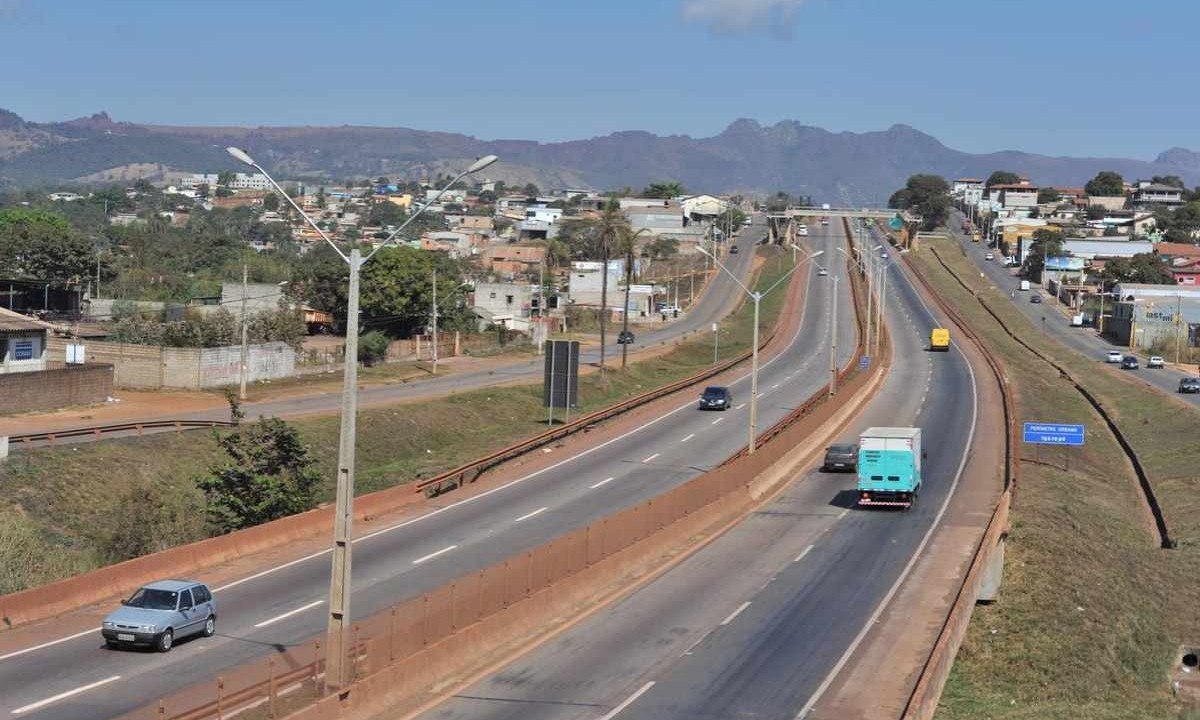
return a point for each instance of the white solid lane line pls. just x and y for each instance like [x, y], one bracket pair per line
[535, 513]
[65, 695]
[52, 643]
[651, 457]
[289, 613]
[432, 555]
[735, 613]
[804, 552]
[628, 701]
[605, 481]
[714, 422]
[689, 437]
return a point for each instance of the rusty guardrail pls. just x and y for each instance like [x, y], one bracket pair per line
[409, 643]
[100, 430]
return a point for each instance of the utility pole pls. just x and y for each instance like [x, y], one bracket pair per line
[625, 315]
[435, 323]
[245, 337]
[1178, 323]
[716, 342]
[833, 369]
[542, 306]
[754, 376]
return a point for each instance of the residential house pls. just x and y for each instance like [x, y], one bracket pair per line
[1017, 196]
[585, 281]
[1147, 196]
[125, 219]
[478, 223]
[1108, 247]
[969, 189]
[457, 244]
[507, 304]
[65, 196]
[22, 343]
[699, 207]
[543, 213]
[665, 217]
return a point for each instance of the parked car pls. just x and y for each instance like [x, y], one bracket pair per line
[1189, 385]
[840, 457]
[989, 256]
[733, 250]
[1155, 362]
[160, 613]
[1129, 362]
[1035, 299]
[1112, 357]
[716, 398]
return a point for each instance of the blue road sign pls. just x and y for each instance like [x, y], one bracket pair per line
[1052, 434]
[864, 362]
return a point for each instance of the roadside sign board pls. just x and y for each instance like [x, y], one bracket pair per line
[864, 362]
[1036, 433]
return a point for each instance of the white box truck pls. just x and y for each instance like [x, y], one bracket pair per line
[1024, 285]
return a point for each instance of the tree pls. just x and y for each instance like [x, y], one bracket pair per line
[397, 292]
[924, 195]
[531, 190]
[167, 516]
[612, 228]
[663, 190]
[1181, 224]
[269, 475]
[1145, 268]
[1172, 180]
[271, 202]
[225, 179]
[661, 248]
[372, 347]
[1106, 184]
[1002, 177]
[1096, 212]
[1047, 195]
[42, 245]
[1046, 243]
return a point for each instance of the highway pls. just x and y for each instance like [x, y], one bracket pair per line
[1048, 317]
[714, 304]
[282, 605]
[756, 623]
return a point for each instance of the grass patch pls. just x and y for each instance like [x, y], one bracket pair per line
[1091, 611]
[67, 494]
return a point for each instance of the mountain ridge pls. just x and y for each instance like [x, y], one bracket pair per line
[842, 166]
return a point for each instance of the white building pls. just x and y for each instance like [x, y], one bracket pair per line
[65, 196]
[22, 343]
[543, 213]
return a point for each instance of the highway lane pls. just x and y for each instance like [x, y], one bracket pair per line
[752, 625]
[1048, 316]
[423, 553]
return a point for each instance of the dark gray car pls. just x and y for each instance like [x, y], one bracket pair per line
[716, 398]
[160, 613]
[1189, 385]
[843, 458]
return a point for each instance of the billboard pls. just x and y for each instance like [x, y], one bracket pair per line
[1064, 262]
[560, 385]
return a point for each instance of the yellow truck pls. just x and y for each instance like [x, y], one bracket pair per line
[939, 339]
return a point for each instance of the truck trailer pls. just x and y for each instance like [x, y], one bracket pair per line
[889, 467]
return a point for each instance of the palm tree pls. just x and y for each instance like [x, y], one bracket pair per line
[610, 227]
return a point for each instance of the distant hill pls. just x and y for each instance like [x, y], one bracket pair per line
[746, 156]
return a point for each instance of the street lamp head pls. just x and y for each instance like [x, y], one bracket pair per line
[240, 155]
[481, 163]
[818, 253]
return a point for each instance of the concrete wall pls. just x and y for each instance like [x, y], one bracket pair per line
[56, 388]
[153, 367]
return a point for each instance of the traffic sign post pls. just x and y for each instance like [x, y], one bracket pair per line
[1061, 434]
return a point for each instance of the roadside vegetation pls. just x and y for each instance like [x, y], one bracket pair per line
[80, 507]
[1091, 613]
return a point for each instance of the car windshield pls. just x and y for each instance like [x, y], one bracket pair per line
[152, 599]
[841, 449]
[713, 391]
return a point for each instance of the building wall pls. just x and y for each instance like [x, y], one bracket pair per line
[153, 367]
[22, 352]
[56, 388]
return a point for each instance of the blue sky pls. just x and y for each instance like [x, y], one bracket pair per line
[1074, 77]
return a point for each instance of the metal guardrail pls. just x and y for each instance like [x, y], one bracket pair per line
[100, 430]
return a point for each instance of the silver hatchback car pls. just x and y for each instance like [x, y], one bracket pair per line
[160, 613]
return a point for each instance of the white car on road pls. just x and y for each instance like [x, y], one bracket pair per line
[1113, 357]
[989, 256]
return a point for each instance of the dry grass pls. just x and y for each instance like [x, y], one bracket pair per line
[66, 493]
[1091, 611]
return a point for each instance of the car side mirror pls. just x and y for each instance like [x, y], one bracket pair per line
[125, 602]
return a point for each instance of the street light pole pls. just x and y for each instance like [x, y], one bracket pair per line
[757, 298]
[833, 369]
[245, 337]
[337, 670]
[435, 319]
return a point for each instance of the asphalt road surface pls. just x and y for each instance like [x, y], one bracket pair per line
[77, 678]
[713, 304]
[753, 625]
[1048, 317]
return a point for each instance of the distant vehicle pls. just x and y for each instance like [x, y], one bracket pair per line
[1035, 299]
[1189, 385]
[889, 466]
[1155, 362]
[802, 230]
[989, 256]
[733, 250]
[939, 339]
[824, 206]
[1112, 357]
[1129, 362]
[625, 337]
[1024, 285]
[1077, 320]
[672, 310]
[160, 613]
[747, 222]
[824, 221]
[822, 272]
[974, 237]
[716, 398]
[883, 254]
[840, 457]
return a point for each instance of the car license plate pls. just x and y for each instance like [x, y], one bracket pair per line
[125, 637]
